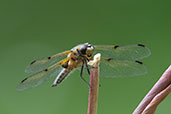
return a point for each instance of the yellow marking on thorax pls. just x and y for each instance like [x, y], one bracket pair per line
[64, 61]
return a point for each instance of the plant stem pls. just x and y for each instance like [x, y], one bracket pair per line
[94, 85]
[157, 94]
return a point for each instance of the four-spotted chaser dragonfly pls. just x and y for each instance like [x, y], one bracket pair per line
[116, 61]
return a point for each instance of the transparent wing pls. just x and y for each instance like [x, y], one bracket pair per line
[116, 68]
[40, 77]
[126, 52]
[41, 64]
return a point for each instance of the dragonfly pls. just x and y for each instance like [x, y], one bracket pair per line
[116, 61]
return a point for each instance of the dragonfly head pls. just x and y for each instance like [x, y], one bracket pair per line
[87, 50]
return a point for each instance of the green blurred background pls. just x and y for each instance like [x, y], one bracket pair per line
[31, 29]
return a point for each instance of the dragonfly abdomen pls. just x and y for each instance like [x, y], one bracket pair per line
[61, 77]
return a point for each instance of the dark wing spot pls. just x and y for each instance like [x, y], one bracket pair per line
[49, 57]
[46, 70]
[142, 45]
[139, 62]
[33, 62]
[109, 59]
[115, 46]
[24, 80]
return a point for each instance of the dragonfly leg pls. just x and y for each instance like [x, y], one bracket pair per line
[82, 67]
[87, 67]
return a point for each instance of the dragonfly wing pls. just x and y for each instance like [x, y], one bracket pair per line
[125, 52]
[116, 68]
[40, 77]
[41, 64]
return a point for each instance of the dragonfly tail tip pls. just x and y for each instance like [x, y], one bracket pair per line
[53, 85]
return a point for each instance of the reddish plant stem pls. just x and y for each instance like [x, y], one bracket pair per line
[150, 109]
[157, 94]
[94, 86]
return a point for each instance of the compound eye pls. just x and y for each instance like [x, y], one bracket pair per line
[90, 47]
